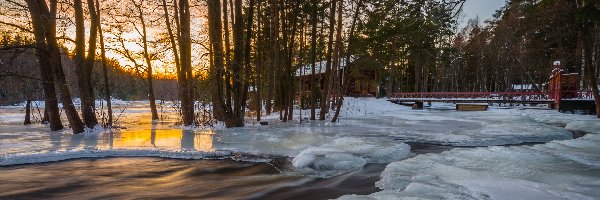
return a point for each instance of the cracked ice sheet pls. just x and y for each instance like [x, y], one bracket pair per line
[361, 118]
[450, 127]
[573, 122]
[556, 170]
[364, 119]
[377, 118]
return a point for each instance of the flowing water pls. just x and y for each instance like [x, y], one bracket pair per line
[160, 178]
[155, 178]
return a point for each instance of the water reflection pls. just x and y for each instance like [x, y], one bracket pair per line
[185, 140]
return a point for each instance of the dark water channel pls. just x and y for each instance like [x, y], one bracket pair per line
[156, 178]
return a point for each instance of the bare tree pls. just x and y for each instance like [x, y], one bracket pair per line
[43, 18]
[107, 98]
[327, 79]
[259, 58]
[185, 73]
[85, 65]
[313, 60]
[215, 31]
[342, 88]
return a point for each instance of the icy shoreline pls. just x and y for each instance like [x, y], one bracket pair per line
[370, 131]
[20, 159]
[567, 169]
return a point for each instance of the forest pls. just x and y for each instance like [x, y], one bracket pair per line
[253, 58]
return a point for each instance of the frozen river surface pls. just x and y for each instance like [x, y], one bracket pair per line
[371, 131]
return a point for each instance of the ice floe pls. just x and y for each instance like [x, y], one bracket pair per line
[557, 170]
[348, 154]
[370, 131]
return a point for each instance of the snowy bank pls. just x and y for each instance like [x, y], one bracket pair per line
[556, 170]
[370, 131]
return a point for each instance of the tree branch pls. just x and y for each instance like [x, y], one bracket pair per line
[17, 27]
[26, 46]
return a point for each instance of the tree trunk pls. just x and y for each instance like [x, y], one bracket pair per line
[313, 60]
[215, 32]
[327, 78]
[185, 49]
[594, 79]
[248, 64]
[302, 68]
[588, 42]
[149, 73]
[236, 117]
[27, 120]
[91, 120]
[45, 18]
[228, 61]
[84, 65]
[342, 88]
[282, 69]
[45, 118]
[109, 120]
[40, 27]
[274, 51]
[337, 55]
[181, 80]
[257, 82]
[290, 86]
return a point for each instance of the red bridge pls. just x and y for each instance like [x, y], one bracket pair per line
[562, 91]
[473, 97]
[488, 97]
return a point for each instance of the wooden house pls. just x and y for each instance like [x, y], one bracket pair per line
[363, 83]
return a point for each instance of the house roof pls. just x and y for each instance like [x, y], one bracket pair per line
[320, 67]
[523, 86]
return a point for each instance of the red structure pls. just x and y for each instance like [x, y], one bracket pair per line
[565, 86]
[563, 92]
[473, 97]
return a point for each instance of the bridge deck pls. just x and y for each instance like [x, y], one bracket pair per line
[486, 97]
[504, 101]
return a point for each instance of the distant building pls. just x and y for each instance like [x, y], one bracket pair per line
[526, 87]
[362, 84]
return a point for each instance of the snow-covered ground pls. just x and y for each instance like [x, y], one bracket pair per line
[567, 169]
[370, 131]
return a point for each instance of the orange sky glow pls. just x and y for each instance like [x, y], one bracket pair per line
[163, 65]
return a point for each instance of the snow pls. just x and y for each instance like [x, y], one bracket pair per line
[320, 67]
[328, 162]
[567, 169]
[17, 159]
[588, 126]
[370, 131]
[348, 154]
[572, 122]
[439, 125]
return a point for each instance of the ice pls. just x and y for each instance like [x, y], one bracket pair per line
[370, 131]
[374, 150]
[17, 159]
[326, 162]
[587, 126]
[449, 127]
[554, 117]
[557, 170]
[348, 154]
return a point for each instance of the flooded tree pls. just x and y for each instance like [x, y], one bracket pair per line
[86, 64]
[43, 18]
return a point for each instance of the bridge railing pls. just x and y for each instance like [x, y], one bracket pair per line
[574, 94]
[515, 96]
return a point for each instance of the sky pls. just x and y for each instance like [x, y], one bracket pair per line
[482, 8]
